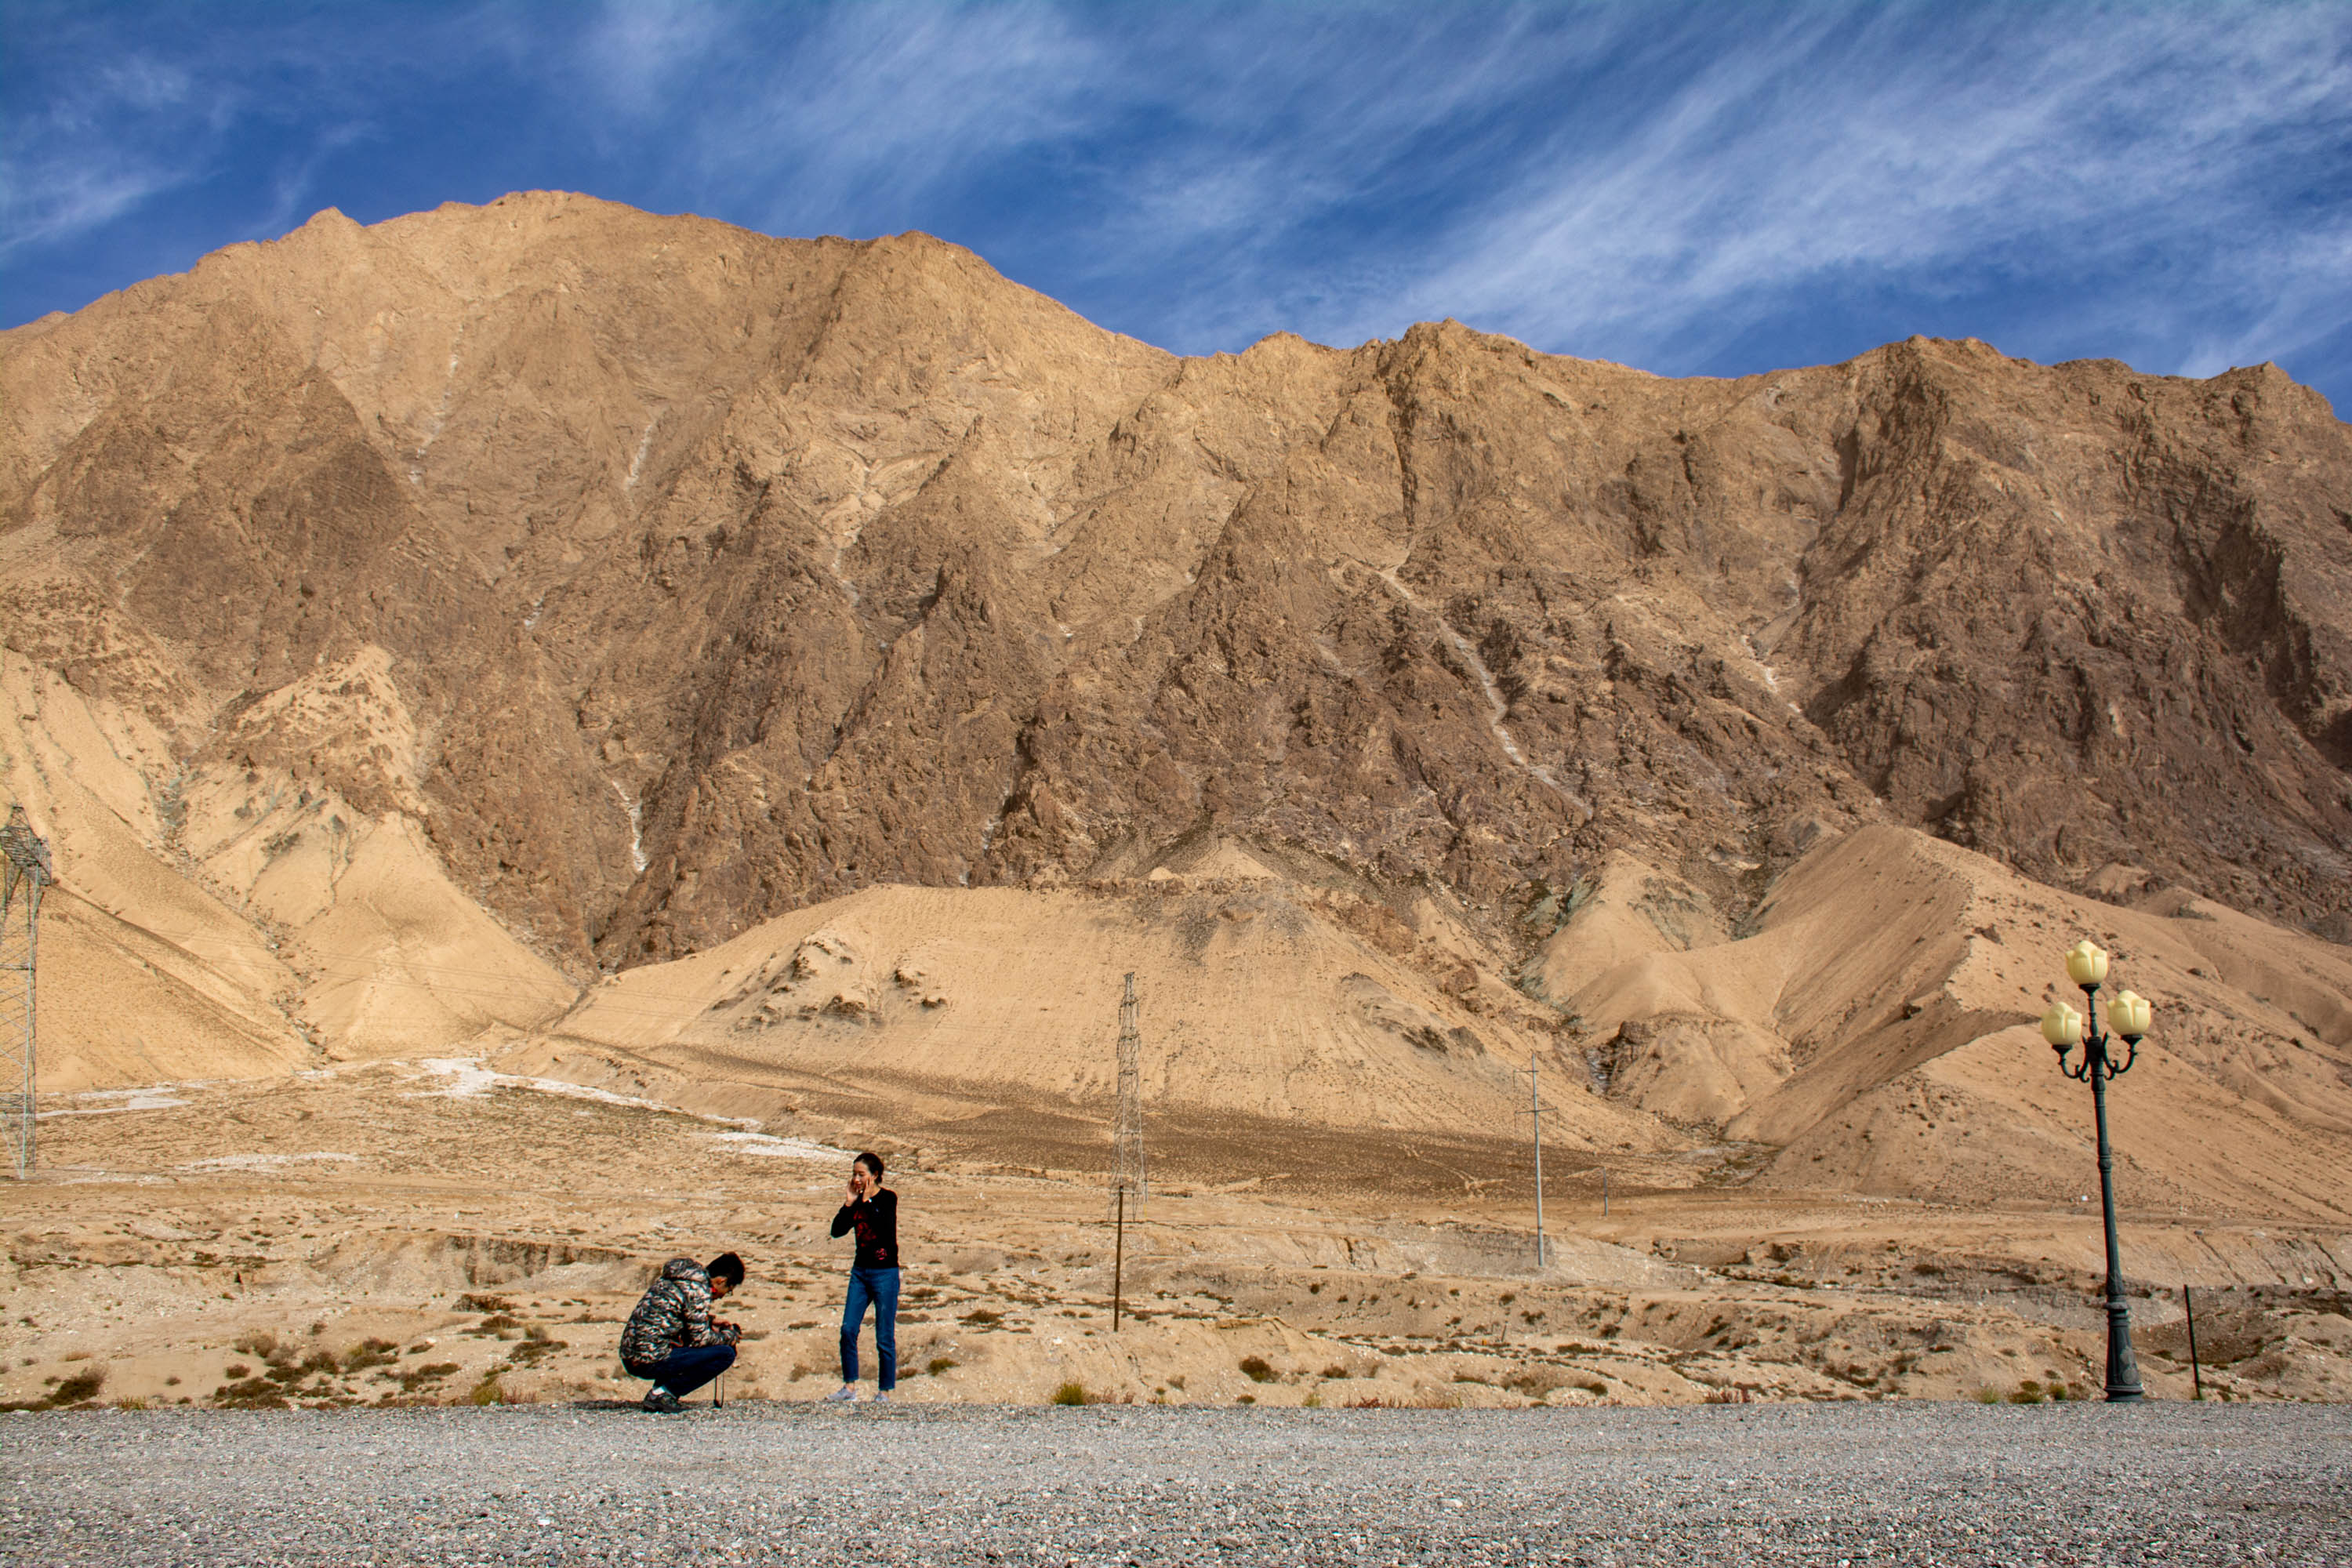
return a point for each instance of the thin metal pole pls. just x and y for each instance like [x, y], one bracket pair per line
[1535, 1113]
[2195, 1375]
[1605, 1191]
[1118, 1260]
[2122, 1372]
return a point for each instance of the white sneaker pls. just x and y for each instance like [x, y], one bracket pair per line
[842, 1396]
[881, 1398]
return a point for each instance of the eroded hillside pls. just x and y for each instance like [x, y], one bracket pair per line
[696, 576]
[792, 678]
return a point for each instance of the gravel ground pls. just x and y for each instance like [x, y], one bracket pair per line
[1850, 1484]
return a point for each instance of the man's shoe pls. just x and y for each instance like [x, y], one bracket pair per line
[842, 1396]
[661, 1400]
[880, 1398]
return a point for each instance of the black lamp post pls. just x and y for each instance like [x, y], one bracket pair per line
[2128, 1017]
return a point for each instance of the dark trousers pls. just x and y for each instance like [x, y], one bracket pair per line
[683, 1372]
[879, 1286]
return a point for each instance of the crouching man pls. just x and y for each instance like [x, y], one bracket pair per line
[672, 1338]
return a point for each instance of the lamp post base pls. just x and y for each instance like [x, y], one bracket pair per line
[2123, 1367]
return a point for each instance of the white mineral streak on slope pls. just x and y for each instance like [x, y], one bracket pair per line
[131, 1099]
[1771, 676]
[262, 1161]
[466, 1075]
[636, 825]
[771, 1147]
[1496, 708]
[848, 586]
[636, 463]
[440, 409]
[468, 1079]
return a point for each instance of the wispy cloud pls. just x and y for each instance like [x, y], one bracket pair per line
[1706, 186]
[1877, 155]
[91, 152]
[842, 117]
[636, 53]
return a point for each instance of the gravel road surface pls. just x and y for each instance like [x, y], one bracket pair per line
[1849, 1484]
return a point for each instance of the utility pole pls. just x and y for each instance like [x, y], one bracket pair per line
[1130, 1169]
[1129, 1173]
[1118, 1261]
[1534, 1115]
[24, 870]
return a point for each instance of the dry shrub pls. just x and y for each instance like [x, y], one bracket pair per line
[1538, 1381]
[82, 1385]
[416, 1377]
[254, 1394]
[368, 1353]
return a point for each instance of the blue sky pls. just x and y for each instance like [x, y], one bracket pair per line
[1710, 188]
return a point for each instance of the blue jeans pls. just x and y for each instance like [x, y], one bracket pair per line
[879, 1286]
[682, 1371]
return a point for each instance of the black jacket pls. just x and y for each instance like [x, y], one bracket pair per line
[876, 1220]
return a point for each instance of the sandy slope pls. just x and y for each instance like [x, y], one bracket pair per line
[1261, 1003]
[216, 920]
[1875, 1029]
[1863, 1030]
[395, 1232]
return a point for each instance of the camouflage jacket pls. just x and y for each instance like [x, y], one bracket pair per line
[674, 1315]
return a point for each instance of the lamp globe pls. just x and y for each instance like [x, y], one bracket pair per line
[2086, 962]
[2062, 1027]
[2127, 1014]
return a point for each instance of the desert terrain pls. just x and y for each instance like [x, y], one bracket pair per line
[558, 725]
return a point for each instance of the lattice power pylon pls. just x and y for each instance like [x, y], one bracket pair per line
[23, 872]
[1130, 1172]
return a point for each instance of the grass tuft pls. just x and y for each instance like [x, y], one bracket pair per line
[1072, 1392]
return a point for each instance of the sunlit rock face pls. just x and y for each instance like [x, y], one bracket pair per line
[670, 578]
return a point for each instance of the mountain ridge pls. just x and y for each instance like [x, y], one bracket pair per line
[411, 625]
[972, 484]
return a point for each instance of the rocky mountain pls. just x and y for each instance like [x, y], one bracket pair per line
[678, 577]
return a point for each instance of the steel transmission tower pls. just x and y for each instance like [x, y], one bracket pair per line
[1130, 1173]
[23, 872]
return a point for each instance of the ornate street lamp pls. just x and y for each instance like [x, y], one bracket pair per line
[2128, 1017]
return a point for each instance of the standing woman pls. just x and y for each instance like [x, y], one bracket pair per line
[872, 1212]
